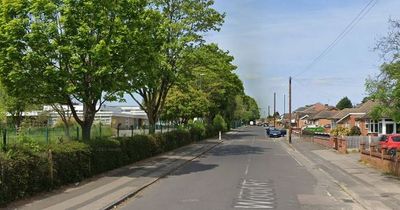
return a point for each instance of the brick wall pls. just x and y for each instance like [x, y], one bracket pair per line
[324, 141]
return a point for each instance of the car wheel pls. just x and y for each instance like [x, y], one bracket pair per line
[392, 152]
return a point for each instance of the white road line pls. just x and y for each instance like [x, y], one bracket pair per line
[247, 170]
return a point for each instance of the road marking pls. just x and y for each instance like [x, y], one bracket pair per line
[255, 195]
[247, 169]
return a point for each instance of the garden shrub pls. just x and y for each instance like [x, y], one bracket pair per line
[219, 123]
[197, 130]
[106, 154]
[355, 131]
[71, 162]
[23, 173]
[139, 147]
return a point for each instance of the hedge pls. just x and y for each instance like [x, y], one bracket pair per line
[26, 170]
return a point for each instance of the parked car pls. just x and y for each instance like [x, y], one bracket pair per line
[275, 133]
[283, 131]
[268, 129]
[390, 142]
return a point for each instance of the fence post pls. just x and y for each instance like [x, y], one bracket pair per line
[77, 133]
[131, 130]
[119, 124]
[4, 139]
[51, 167]
[100, 129]
[47, 135]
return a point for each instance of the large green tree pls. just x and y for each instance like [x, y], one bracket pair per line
[344, 103]
[68, 51]
[385, 88]
[183, 25]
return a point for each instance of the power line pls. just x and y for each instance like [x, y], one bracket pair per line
[365, 10]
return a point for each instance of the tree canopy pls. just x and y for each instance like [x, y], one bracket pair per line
[71, 51]
[385, 88]
[344, 103]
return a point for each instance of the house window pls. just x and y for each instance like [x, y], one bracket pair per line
[374, 126]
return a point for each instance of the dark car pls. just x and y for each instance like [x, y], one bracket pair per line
[283, 132]
[275, 133]
[268, 129]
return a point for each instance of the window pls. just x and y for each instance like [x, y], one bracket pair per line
[396, 138]
[373, 126]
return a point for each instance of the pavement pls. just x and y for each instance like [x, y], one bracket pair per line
[109, 189]
[369, 187]
[247, 170]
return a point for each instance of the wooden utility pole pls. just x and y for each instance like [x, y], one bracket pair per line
[290, 110]
[284, 104]
[274, 109]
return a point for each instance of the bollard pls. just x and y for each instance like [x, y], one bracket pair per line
[220, 136]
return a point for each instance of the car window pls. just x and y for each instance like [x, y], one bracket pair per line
[396, 138]
[383, 138]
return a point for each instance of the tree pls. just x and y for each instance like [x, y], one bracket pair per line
[385, 88]
[185, 104]
[70, 51]
[3, 110]
[344, 103]
[183, 24]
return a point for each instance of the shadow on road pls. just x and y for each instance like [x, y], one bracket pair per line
[228, 150]
[193, 167]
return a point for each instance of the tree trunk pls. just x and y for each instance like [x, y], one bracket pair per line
[86, 131]
[152, 123]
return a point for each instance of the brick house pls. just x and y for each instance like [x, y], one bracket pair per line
[304, 115]
[323, 118]
[360, 117]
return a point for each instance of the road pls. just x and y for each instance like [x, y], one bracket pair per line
[246, 171]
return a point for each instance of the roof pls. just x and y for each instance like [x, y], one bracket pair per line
[325, 114]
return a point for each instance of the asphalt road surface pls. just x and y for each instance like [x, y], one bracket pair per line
[247, 171]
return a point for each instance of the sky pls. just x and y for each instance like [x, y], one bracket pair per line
[274, 39]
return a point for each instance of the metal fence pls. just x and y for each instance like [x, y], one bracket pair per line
[353, 142]
[46, 135]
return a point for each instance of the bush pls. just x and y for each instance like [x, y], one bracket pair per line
[197, 130]
[26, 168]
[71, 162]
[340, 131]
[106, 154]
[355, 131]
[219, 123]
[140, 147]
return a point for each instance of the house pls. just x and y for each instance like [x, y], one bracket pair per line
[324, 118]
[360, 116]
[303, 115]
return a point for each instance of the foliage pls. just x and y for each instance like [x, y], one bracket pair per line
[340, 131]
[355, 131]
[344, 103]
[197, 130]
[185, 104]
[385, 88]
[182, 27]
[107, 154]
[140, 147]
[246, 108]
[68, 51]
[219, 123]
